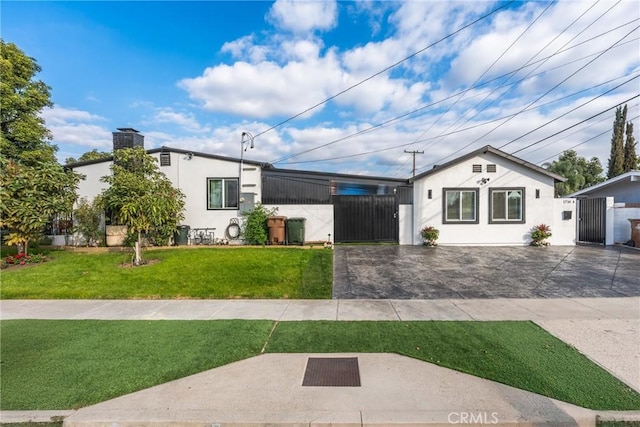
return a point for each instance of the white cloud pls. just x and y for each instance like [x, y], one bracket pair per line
[60, 115]
[301, 16]
[186, 121]
[266, 89]
[77, 128]
[245, 47]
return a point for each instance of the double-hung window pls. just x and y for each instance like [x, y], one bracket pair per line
[506, 205]
[222, 193]
[460, 205]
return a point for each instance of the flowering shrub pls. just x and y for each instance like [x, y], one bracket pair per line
[430, 235]
[540, 234]
[22, 259]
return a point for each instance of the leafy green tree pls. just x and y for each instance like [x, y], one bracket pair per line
[30, 196]
[140, 196]
[88, 156]
[616, 158]
[24, 135]
[630, 156]
[579, 172]
[87, 220]
[34, 187]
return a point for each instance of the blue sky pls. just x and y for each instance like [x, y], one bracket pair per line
[195, 75]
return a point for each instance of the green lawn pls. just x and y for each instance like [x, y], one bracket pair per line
[66, 364]
[247, 272]
[69, 364]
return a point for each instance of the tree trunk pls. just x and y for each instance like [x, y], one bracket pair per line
[138, 250]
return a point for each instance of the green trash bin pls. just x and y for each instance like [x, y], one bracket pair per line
[181, 235]
[295, 231]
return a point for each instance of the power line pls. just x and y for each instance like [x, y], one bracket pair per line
[538, 98]
[538, 66]
[564, 114]
[458, 130]
[583, 142]
[530, 72]
[564, 80]
[572, 126]
[486, 71]
[387, 68]
[407, 115]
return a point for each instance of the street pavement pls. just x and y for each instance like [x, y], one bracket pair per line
[395, 390]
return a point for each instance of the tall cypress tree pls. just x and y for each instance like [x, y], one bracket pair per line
[630, 155]
[616, 158]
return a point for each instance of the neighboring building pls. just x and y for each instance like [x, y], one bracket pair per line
[604, 209]
[486, 197]
[623, 188]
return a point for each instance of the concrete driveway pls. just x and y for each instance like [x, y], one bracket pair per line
[419, 272]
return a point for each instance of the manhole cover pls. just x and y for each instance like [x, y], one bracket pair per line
[332, 372]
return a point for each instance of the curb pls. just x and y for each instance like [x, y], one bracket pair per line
[7, 417]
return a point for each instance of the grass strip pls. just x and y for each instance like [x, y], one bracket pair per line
[216, 272]
[519, 354]
[66, 364]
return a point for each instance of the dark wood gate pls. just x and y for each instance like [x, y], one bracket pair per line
[592, 220]
[365, 219]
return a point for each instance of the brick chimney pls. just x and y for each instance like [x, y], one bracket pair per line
[127, 138]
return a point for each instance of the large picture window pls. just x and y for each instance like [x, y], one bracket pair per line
[222, 193]
[460, 205]
[506, 205]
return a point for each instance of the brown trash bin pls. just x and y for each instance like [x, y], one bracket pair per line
[276, 225]
[635, 231]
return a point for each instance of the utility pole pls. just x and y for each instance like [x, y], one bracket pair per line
[414, 159]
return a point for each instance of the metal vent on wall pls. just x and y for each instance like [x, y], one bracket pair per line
[491, 168]
[165, 159]
[477, 168]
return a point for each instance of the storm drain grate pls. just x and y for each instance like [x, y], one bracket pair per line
[332, 372]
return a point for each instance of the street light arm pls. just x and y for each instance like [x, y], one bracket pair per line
[243, 141]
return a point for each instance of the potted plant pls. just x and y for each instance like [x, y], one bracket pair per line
[540, 234]
[429, 235]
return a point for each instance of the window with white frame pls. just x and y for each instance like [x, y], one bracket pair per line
[222, 193]
[506, 205]
[460, 205]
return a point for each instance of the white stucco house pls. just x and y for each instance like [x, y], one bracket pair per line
[486, 197]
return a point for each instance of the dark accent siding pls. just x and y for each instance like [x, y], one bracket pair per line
[310, 188]
[283, 190]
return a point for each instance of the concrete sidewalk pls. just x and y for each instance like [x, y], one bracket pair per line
[395, 390]
[349, 309]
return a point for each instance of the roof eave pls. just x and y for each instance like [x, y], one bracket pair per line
[490, 149]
